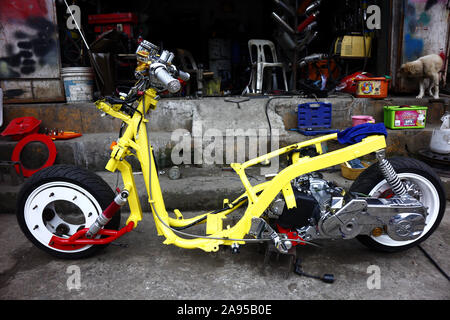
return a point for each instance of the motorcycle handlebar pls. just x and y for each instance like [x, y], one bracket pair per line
[161, 73]
[183, 75]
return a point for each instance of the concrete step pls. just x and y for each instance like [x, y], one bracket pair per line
[92, 152]
[216, 112]
[198, 188]
[210, 117]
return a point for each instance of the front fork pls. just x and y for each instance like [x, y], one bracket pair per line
[87, 236]
[106, 215]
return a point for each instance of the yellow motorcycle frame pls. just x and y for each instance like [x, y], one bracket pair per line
[134, 142]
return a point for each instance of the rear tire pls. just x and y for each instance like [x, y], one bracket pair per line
[422, 183]
[60, 200]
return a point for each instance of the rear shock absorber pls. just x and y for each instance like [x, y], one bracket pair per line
[389, 173]
[106, 215]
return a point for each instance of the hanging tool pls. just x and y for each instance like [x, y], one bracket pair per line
[91, 58]
[285, 7]
[282, 23]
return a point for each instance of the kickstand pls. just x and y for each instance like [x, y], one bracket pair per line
[292, 254]
[327, 277]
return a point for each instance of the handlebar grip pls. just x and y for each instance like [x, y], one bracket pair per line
[172, 84]
[184, 75]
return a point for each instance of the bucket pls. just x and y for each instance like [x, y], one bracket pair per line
[353, 173]
[440, 140]
[78, 84]
[356, 120]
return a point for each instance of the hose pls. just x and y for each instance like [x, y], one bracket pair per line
[267, 107]
[434, 263]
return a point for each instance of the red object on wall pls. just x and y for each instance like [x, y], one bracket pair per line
[20, 127]
[349, 82]
[119, 21]
[23, 9]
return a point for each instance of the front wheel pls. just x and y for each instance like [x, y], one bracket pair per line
[421, 183]
[59, 201]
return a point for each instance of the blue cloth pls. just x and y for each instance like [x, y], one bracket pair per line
[357, 133]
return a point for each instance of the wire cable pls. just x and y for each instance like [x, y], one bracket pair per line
[434, 263]
[267, 107]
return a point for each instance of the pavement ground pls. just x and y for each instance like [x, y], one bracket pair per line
[139, 266]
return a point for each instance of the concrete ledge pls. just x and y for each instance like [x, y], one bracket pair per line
[216, 112]
[92, 151]
[197, 189]
[211, 117]
[86, 118]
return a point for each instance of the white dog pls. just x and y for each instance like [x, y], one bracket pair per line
[427, 69]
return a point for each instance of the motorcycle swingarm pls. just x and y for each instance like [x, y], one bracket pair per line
[401, 218]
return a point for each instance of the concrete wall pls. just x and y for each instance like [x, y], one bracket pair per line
[208, 117]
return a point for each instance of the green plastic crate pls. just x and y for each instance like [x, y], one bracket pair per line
[405, 117]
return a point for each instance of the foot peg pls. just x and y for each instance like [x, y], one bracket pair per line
[260, 229]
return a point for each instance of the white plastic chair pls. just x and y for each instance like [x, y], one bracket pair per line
[260, 62]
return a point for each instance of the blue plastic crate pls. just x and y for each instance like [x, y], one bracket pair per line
[314, 115]
[313, 118]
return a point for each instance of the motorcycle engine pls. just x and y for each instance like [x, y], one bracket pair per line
[314, 196]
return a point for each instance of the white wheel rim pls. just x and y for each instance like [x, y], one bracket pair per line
[429, 198]
[44, 197]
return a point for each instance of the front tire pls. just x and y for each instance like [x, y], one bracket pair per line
[421, 182]
[59, 201]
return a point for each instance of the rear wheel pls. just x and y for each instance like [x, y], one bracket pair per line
[59, 201]
[421, 183]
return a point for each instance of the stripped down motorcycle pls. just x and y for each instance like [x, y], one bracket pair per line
[70, 212]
